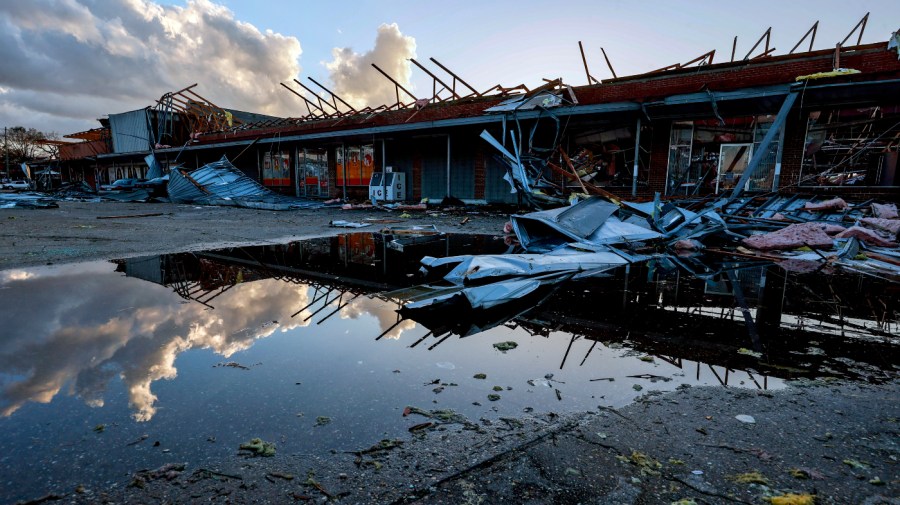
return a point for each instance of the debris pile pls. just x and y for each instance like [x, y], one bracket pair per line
[596, 235]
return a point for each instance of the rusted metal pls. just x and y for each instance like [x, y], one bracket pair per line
[306, 100]
[587, 72]
[608, 64]
[435, 81]
[333, 95]
[812, 31]
[767, 36]
[861, 26]
[397, 87]
[455, 78]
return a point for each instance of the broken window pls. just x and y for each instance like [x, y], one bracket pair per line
[312, 169]
[710, 155]
[851, 147]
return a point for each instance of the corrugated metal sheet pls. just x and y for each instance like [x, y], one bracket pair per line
[129, 131]
[220, 183]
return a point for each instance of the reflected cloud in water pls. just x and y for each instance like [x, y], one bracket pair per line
[78, 330]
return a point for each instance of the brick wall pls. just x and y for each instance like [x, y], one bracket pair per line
[479, 171]
[872, 60]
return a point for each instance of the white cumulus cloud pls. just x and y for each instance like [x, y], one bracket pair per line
[359, 84]
[66, 62]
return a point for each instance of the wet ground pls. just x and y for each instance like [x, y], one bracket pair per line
[113, 367]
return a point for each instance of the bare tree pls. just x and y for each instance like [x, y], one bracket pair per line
[27, 144]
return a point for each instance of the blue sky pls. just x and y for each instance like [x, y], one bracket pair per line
[509, 42]
[65, 63]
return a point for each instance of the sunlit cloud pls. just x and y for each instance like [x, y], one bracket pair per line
[358, 83]
[71, 334]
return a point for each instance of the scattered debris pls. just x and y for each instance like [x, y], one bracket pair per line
[750, 478]
[169, 471]
[348, 224]
[257, 447]
[151, 214]
[744, 418]
[792, 499]
[221, 183]
[480, 376]
[322, 420]
[505, 346]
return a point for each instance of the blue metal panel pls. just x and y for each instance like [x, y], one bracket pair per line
[129, 132]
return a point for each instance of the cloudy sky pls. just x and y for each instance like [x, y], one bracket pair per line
[64, 63]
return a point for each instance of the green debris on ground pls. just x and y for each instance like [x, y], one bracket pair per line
[498, 388]
[647, 359]
[480, 376]
[856, 465]
[876, 481]
[100, 428]
[322, 420]
[493, 397]
[750, 478]
[443, 415]
[258, 447]
[748, 352]
[647, 464]
[798, 473]
[505, 346]
[684, 501]
[792, 499]
[372, 452]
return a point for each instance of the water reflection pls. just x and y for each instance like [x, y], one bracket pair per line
[76, 330]
[80, 328]
[322, 329]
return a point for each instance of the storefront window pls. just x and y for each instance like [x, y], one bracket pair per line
[277, 169]
[355, 165]
[707, 156]
[313, 172]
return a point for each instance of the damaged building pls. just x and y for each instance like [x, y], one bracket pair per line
[821, 121]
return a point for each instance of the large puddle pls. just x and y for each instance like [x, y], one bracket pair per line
[111, 367]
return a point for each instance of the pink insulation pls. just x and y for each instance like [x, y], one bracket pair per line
[792, 237]
[833, 204]
[867, 236]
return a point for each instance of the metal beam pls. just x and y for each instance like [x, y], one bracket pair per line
[774, 130]
[812, 30]
[334, 96]
[862, 28]
[455, 77]
[608, 64]
[397, 84]
[767, 36]
[442, 83]
[590, 78]
[313, 93]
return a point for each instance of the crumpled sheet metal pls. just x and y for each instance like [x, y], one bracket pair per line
[26, 201]
[220, 183]
[487, 296]
[482, 268]
[590, 223]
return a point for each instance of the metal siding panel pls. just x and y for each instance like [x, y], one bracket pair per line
[434, 168]
[462, 167]
[496, 190]
[129, 131]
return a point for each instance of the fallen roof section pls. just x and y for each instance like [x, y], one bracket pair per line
[221, 183]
